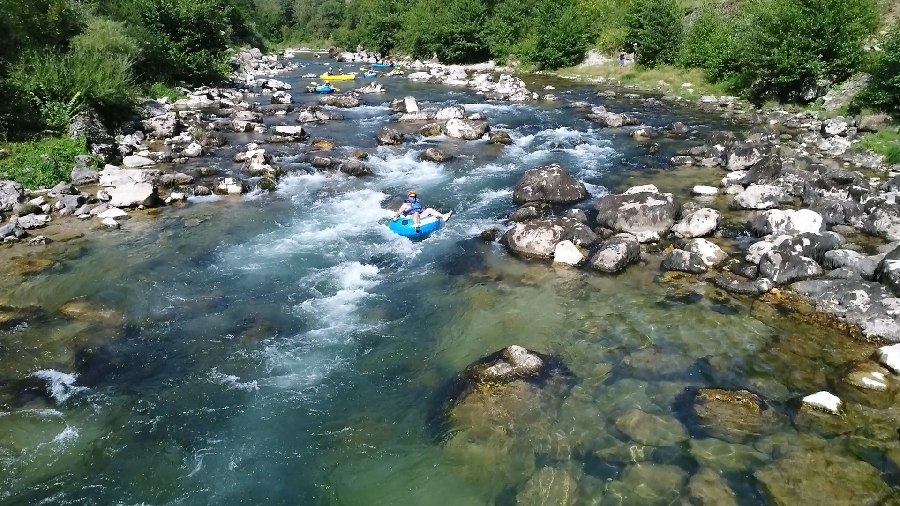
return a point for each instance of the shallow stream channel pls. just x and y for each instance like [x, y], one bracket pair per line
[286, 348]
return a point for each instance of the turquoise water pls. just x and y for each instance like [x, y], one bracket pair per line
[286, 348]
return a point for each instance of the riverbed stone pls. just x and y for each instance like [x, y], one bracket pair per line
[650, 429]
[551, 184]
[783, 268]
[708, 488]
[646, 484]
[699, 223]
[538, 238]
[704, 191]
[133, 195]
[822, 477]
[684, 261]
[289, 133]
[758, 197]
[136, 161]
[733, 415]
[889, 356]
[765, 171]
[466, 129]
[726, 457]
[548, 486]
[742, 155]
[864, 382]
[430, 130]
[888, 271]
[389, 137]
[499, 137]
[642, 211]
[356, 168]
[823, 401]
[616, 253]
[811, 245]
[526, 212]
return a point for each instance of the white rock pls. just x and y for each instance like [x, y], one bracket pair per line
[141, 194]
[711, 254]
[567, 253]
[889, 356]
[758, 196]
[193, 150]
[647, 188]
[704, 190]
[111, 223]
[112, 212]
[825, 401]
[758, 250]
[135, 161]
[698, 223]
[733, 178]
[411, 104]
[788, 222]
[178, 196]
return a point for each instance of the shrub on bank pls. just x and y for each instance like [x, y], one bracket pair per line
[709, 44]
[562, 36]
[41, 163]
[787, 46]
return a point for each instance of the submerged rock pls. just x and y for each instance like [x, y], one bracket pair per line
[548, 486]
[821, 477]
[435, 155]
[864, 382]
[733, 415]
[708, 488]
[647, 484]
[651, 430]
[551, 184]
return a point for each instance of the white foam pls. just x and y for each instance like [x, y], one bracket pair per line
[232, 382]
[61, 385]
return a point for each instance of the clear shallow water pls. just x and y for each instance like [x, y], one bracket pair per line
[285, 348]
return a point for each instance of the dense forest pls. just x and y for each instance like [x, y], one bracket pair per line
[61, 57]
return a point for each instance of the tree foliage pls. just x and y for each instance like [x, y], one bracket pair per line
[884, 87]
[656, 27]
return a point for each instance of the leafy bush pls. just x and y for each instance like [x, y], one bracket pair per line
[788, 45]
[655, 25]
[709, 44]
[885, 143]
[41, 163]
[883, 91]
[62, 85]
[36, 24]
[562, 35]
[453, 30]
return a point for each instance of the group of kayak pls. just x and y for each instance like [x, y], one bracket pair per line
[368, 73]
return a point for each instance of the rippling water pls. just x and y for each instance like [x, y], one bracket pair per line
[285, 348]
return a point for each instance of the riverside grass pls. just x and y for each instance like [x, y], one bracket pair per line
[42, 163]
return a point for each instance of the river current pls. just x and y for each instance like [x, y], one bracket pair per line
[283, 348]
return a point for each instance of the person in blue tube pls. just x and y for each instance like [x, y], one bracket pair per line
[412, 207]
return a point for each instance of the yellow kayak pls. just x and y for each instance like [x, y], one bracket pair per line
[344, 77]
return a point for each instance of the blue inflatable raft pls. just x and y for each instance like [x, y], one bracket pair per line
[384, 66]
[370, 75]
[326, 89]
[407, 228]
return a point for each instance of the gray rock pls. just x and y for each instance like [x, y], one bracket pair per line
[356, 168]
[134, 161]
[32, 221]
[641, 211]
[683, 261]
[84, 176]
[551, 184]
[699, 223]
[765, 171]
[616, 253]
[347, 101]
[708, 488]
[735, 416]
[786, 222]
[810, 245]
[647, 484]
[652, 430]
[869, 305]
[888, 271]
[430, 130]
[163, 126]
[742, 156]
[500, 137]
[284, 133]
[525, 213]
[538, 238]
[450, 112]
[832, 127]
[873, 122]
[133, 195]
[11, 193]
[784, 268]
[736, 286]
[512, 363]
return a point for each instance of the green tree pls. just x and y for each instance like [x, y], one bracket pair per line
[561, 35]
[453, 30]
[789, 45]
[656, 26]
[709, 43]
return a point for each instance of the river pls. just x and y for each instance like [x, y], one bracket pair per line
[283, 348]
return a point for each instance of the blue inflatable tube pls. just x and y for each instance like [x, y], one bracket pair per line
[383, 66]
[370, 75]
[407, 228]
[325, 89]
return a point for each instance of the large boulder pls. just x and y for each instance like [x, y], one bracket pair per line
[113, 176]
[435, 155]
[11, 193]
[538, 238]
[133, 195]
[162, 126]
[465, 129]
[784, 268]
[697, 256]
[355, 168]
[786, 222]
[888, 271]
[551, 184]
[287, 133]
[811, 245]
[821, 477]
[765, 171]
[742, 155]
[642, 211]
[759, 197]
[549, 486]
[699, 223]
[617, 253]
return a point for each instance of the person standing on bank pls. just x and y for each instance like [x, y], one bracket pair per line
[622, 58]
[412, 207]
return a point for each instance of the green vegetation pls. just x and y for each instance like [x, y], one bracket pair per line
[885, 143]
[656, 26]
[41, 163]
[161, 90]
[884, 89]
